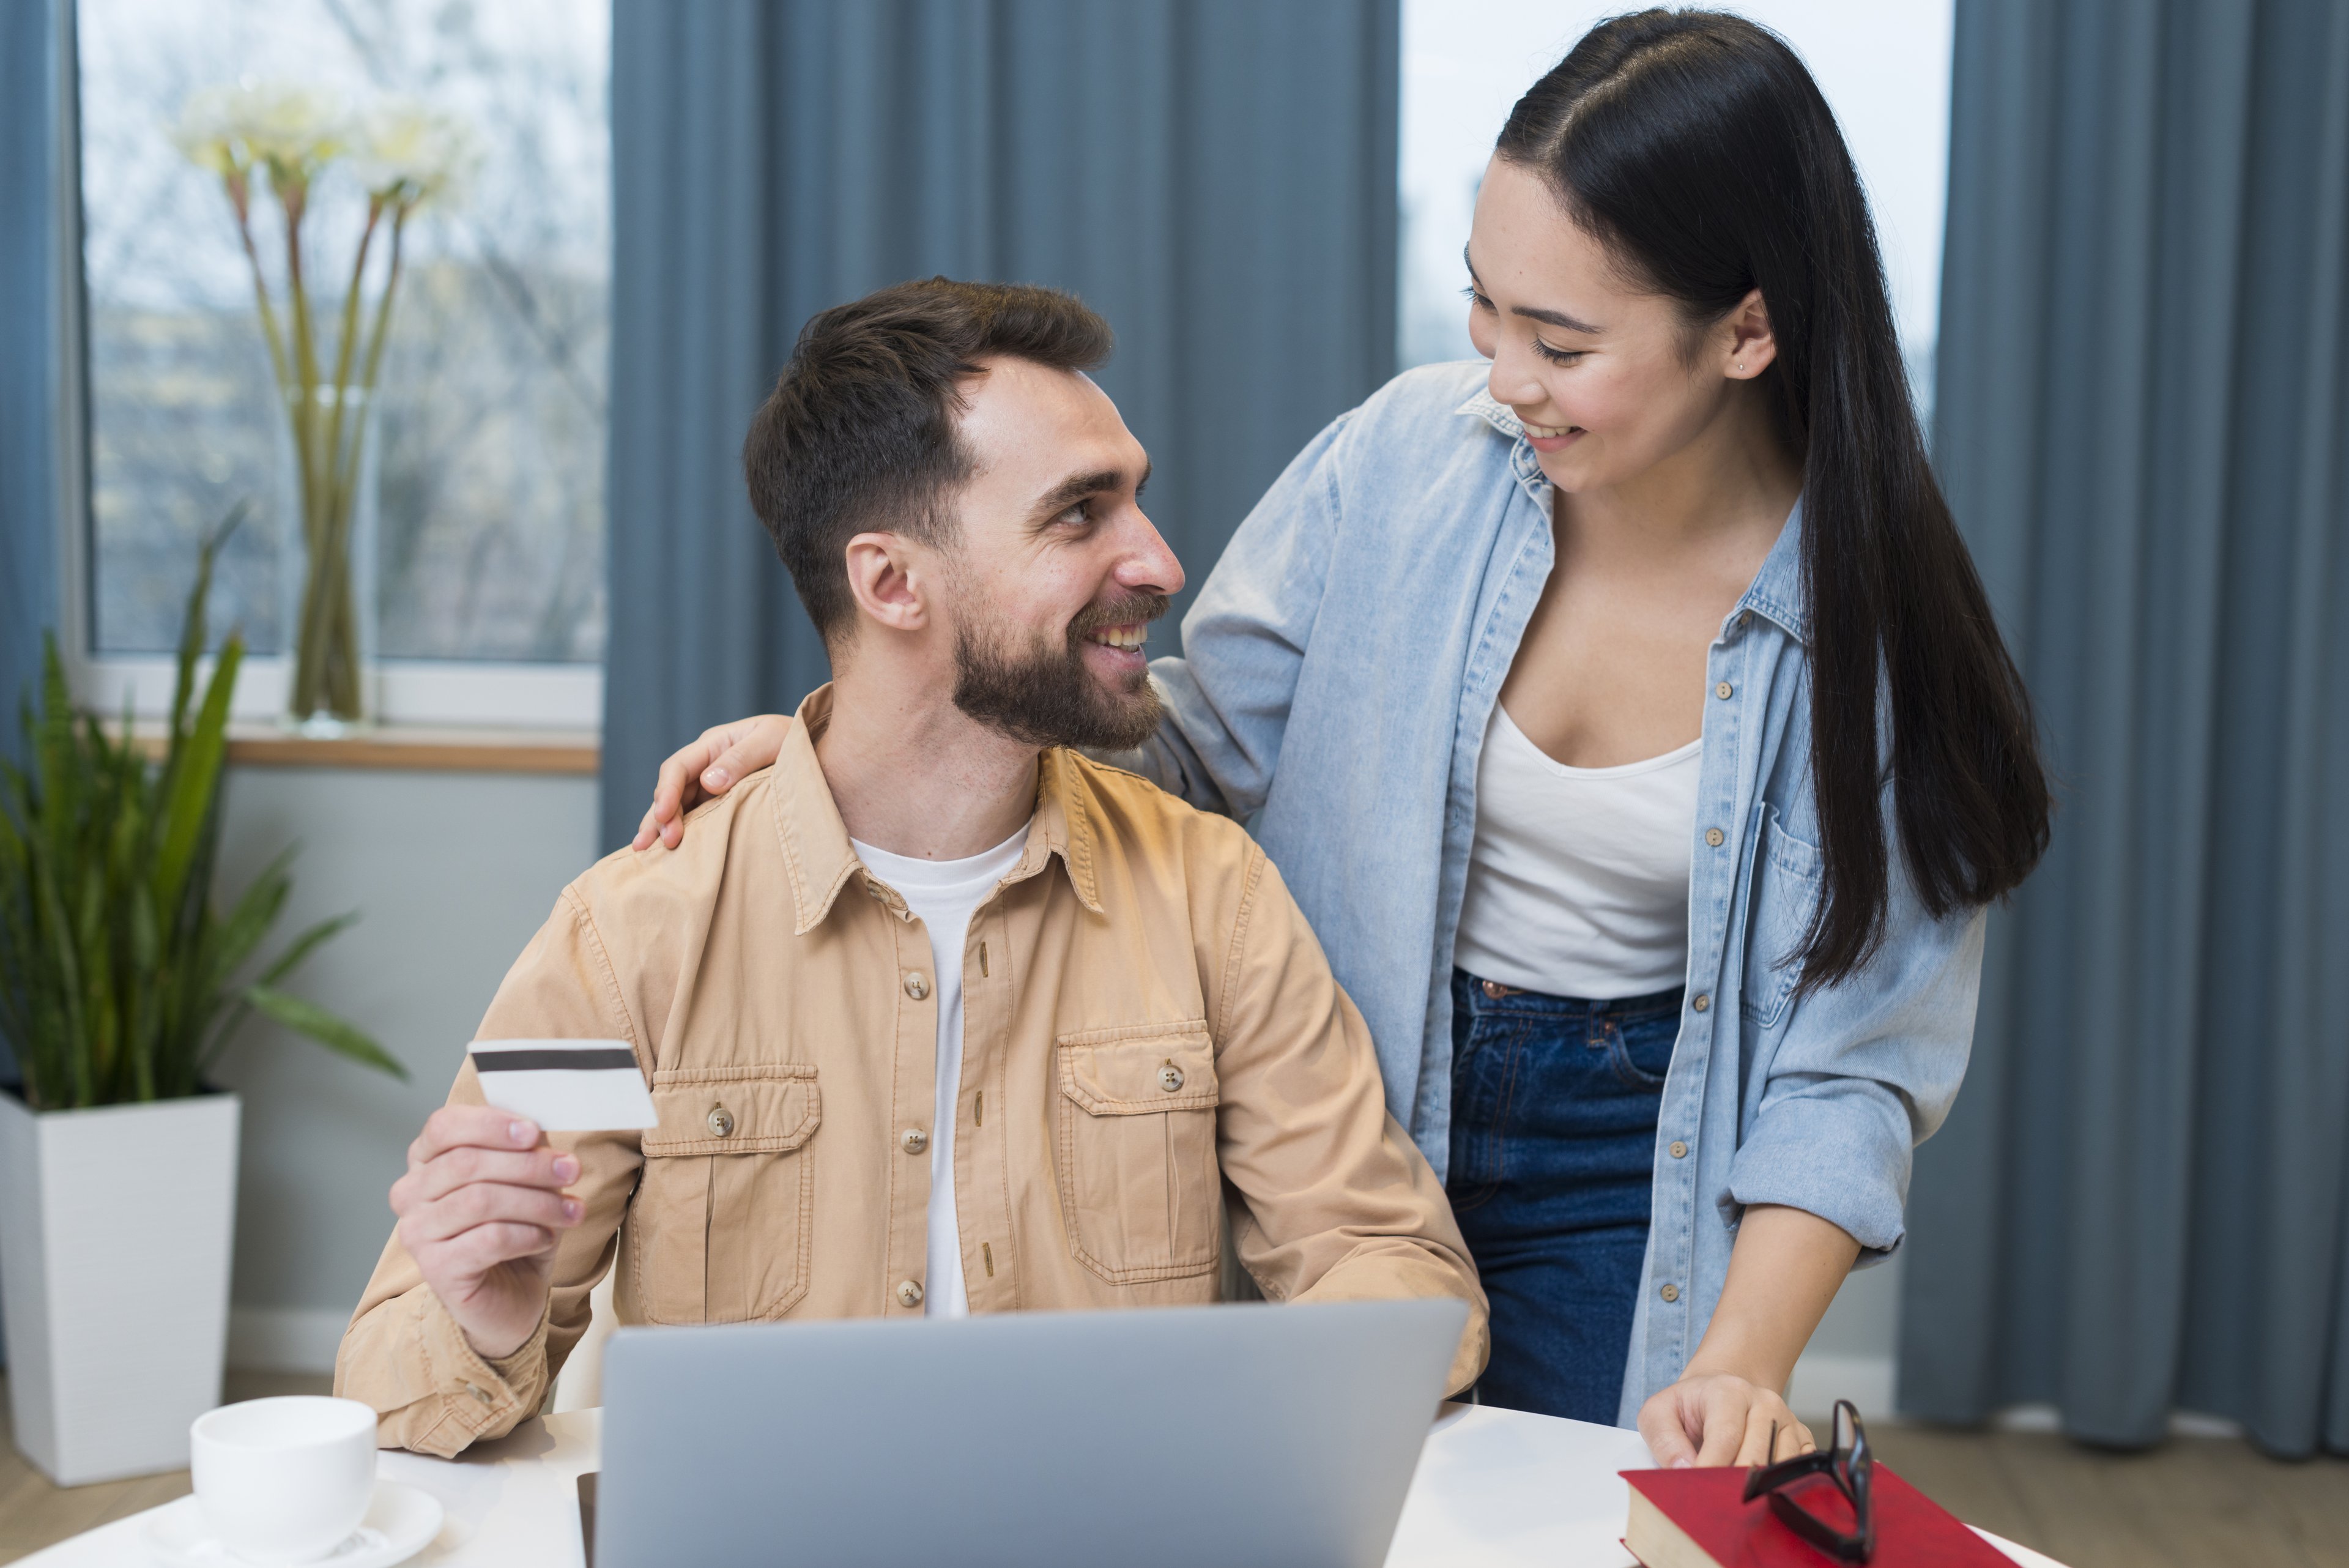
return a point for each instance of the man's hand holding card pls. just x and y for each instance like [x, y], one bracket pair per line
[483, 1202]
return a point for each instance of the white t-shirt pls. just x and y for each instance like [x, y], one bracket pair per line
[943, 894]
[1578, 877]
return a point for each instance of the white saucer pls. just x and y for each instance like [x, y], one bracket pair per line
[400, 1522]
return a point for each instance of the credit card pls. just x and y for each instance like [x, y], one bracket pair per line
[565, 1086]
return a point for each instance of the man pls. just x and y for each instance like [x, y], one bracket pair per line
[937, 1016]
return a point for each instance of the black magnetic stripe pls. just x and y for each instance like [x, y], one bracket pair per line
[559, 1061]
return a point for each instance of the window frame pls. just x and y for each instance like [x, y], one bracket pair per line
[490, 694]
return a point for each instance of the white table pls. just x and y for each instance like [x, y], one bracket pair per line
[1494, 1487]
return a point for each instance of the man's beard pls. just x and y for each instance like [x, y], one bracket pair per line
[1044, 695]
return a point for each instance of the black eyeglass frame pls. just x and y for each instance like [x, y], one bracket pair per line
[1849, 1464]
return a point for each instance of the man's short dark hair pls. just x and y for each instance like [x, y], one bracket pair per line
[859, 433]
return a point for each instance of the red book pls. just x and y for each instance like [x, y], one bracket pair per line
[1699, 1519]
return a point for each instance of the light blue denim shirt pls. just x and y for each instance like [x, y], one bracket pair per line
[1338, 670]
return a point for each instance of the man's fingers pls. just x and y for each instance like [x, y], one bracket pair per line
[485, 1247]
[1794, 1439]
[486, 1203]
[542, 1167]
[461, 1126]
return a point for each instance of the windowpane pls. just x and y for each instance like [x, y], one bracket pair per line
[492, 385]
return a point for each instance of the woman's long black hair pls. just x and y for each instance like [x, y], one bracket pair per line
[1698, 150]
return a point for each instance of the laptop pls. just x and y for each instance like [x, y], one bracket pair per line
[1154, 1438]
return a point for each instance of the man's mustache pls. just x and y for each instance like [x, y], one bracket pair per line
[1126, 611]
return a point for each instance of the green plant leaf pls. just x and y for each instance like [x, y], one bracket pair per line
[257, 909]
[289, 960]
[192, 630]
[343, 1038]
[194, 779]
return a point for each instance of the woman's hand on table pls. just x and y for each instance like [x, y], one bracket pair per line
[1783, 1271]
[706, 769]
[1721, 1418]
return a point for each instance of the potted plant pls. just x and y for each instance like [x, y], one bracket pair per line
[120, 981]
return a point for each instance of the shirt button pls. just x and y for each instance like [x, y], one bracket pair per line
[1714, 836]
[1701, 1003]
[721, 1121]
[1745, 617]
[918, 986]
[1670, 1293]
[1721, 690]
[913, 1140]
[909, 1294]
[1680, 1149]
[1170, 1077]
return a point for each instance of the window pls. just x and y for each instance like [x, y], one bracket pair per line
[488, 446]
[1885, 70]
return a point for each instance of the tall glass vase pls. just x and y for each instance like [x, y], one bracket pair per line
[327, 561]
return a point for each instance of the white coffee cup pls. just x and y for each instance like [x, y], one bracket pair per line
[284, 1480]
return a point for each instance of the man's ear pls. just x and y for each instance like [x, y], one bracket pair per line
[892, 580]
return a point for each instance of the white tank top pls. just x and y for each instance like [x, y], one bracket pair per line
[1578, 877]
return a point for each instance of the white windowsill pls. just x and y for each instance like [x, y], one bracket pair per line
[433, 715]
[567, 697]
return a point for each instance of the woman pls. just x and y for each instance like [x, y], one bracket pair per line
[1629, 719]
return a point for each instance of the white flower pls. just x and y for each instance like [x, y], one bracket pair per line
[408, 152]
[294, 129]
[206, 132]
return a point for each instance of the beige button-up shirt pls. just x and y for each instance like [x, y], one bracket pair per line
[1151, 1033]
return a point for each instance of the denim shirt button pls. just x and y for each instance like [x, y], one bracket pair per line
[1701, 1003]
[1679, 1150]
[1723, 691]
[1671, 1292]
[1713, 836]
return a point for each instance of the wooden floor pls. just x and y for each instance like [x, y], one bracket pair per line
[2196, 1502]
[34, 1514]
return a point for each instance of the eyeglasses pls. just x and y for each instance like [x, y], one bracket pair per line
[1849, 1467]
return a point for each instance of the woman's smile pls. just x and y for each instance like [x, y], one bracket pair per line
[1550, 438]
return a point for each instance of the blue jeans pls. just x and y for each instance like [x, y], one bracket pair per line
[1553, 1103]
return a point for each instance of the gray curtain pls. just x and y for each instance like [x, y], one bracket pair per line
[2142, 421]
[1217, 177]
[29, 380]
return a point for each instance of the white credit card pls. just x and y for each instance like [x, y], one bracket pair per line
[565, 1086]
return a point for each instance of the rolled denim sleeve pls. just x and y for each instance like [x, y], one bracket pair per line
[1864, 1071]
[1227, 697]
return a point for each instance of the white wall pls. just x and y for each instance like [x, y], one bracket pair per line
[451, 872]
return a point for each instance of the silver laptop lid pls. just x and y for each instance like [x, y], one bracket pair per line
[1185, 1436]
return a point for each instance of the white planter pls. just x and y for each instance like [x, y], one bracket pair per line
[115, 1226]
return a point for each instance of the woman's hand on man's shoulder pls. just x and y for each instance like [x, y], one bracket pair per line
[707, 768]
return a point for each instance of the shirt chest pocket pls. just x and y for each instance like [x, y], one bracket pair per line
[1785, 893]
[1136, 1149]
[719, 1228]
